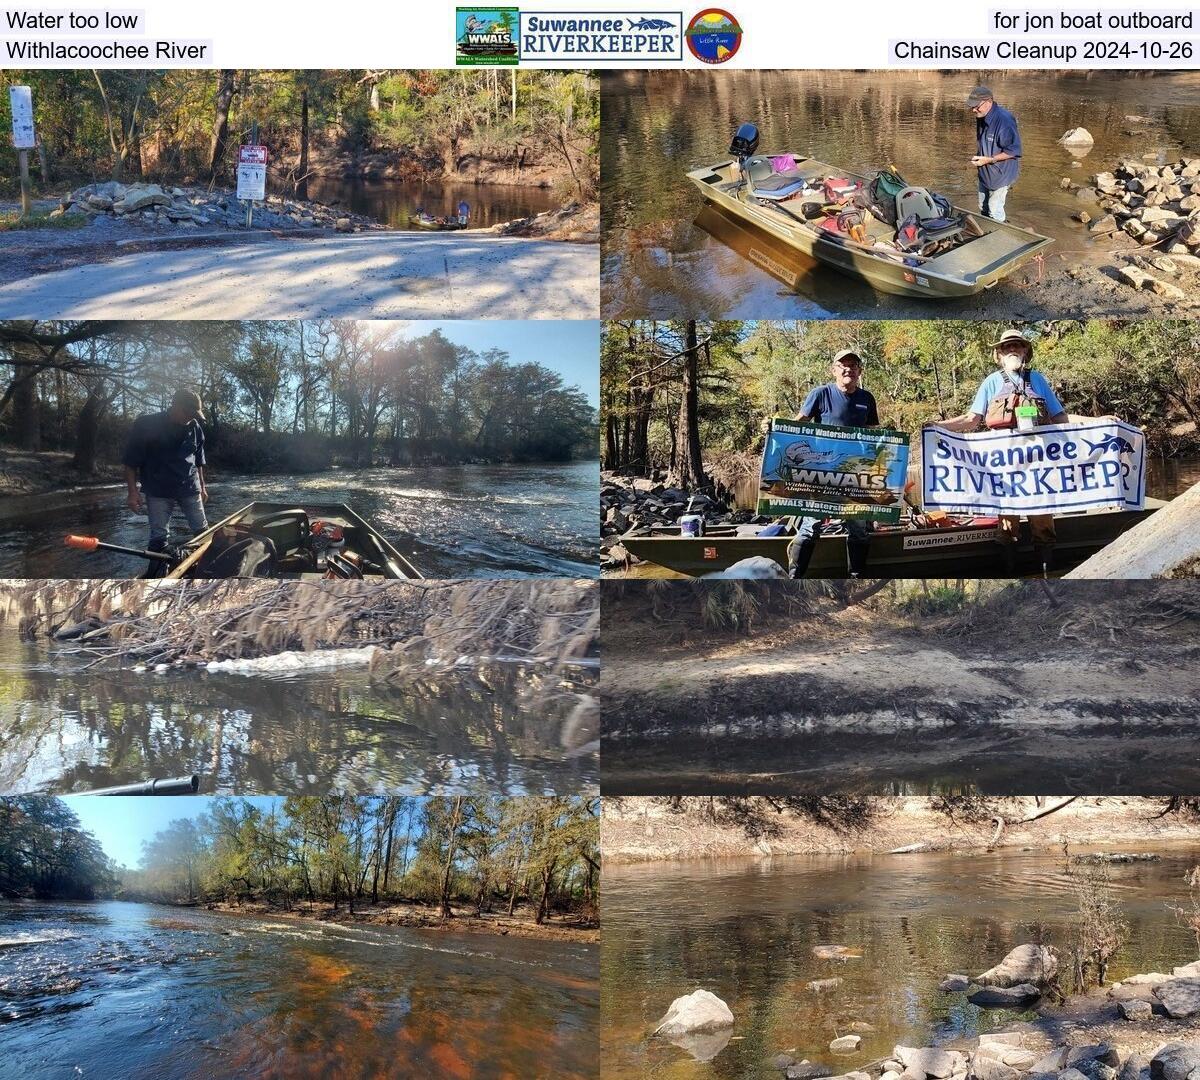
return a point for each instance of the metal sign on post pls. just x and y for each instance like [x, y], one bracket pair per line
[20, 98]
[24, 138]
[251, 177]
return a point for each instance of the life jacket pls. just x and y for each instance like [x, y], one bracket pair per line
[838, 188]
[1002, 409]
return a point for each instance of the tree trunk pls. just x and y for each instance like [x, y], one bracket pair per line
[302, 168]
[689, 467]
[220, 132]
[87, 432]
[27, 413]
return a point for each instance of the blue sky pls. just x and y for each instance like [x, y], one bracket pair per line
[572, 348]
[122, 823]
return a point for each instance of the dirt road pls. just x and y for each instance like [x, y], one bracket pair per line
[369, 276]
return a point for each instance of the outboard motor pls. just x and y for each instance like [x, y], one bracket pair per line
[745, 142]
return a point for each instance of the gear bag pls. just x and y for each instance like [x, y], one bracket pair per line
[236, 551]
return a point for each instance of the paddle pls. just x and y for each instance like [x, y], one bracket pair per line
[92, 543]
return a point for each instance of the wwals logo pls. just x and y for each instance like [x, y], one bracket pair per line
[487, 36]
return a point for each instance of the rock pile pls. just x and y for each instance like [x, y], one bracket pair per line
[1155, 207]
[192, 208]
[1003, 1056]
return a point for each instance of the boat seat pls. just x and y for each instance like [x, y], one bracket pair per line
[766, 183]
[916, 200]
[288, 529]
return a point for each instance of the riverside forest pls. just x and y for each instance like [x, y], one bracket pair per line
[286, 396]
[301, 937]
[528, 128]
[395, 858]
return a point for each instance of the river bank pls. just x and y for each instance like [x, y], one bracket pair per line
[26, 474]
[646, 830]
[422, 916]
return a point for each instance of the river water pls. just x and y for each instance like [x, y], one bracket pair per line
[135, 990]
[393, 202]
[64, 728]
[658, 263]
[745, 931]
[453, 522]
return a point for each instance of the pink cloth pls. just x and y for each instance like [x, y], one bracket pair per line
[783, 163]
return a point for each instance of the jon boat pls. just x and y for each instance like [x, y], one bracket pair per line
[290, 529]
[970, 547]
[435, 226]
[978, 263]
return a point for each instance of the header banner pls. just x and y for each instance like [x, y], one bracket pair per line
[816, 470]
[1060, 468]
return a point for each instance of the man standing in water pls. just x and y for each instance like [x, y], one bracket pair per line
[165, 453]
[464, 212]
[999, 157]
[1014, 356]
[841, 403]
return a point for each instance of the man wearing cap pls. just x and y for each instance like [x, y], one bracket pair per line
[1013, 354]
[999, 157]
[841, 403]
[165, 454]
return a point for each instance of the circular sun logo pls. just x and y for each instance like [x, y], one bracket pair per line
[713, 36]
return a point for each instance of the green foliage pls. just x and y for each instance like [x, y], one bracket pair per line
[290, 396]
[12, 221]
[45, 854]
[438, 851]
[937, 600]
[161, 124]
[1147, 373]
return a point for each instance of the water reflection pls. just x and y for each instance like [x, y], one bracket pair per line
[745, 930]
[393, 202]
[64, 728]
[116, 989]
[658, 261]
[472, 521]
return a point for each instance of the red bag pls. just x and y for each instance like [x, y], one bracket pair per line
[838, 189]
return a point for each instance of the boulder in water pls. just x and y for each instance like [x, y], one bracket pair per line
[953, 984]
[846, 1044]
[835, 952]
[1005, 997]
[926, 1060]
[1036, 964]
[700, 1011]
[1079, 136]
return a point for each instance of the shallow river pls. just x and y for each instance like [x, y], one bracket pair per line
[64, 729]
[393, 202]
[135, 990]
[461, 522]
[657, 262]
[745, 930]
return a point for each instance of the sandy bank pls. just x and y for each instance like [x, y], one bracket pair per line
[646, 830]
[415, 915]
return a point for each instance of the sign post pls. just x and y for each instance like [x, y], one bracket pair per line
[24, 139]
[252, 174]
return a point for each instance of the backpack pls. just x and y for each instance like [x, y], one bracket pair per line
[837, 189]
[880, 195]
[1002, 409]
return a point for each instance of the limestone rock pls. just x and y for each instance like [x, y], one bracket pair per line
[1139, 279]
[1036, 964]
[1136, 1010]
[700, 1011]
[1050, 1063]
[846, 1044]
[1176, 1061]
[1185, 971]
[1104, 225]
[953, 984]
[1180, 997]
[807, 1070]
[926, 1060]
[140, 196]
[1005, 997]
[989, 1067]
[1103, 1052]
[1136, 1067]
[1079, 136]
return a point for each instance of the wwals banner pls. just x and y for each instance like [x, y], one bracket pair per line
[815, 470]
[1055, 469]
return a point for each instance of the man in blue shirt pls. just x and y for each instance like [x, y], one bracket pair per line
[999, 157]
[165, 454]
[1014, 355]
[842, 403]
